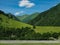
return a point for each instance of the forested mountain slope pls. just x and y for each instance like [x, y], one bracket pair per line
[50, 17]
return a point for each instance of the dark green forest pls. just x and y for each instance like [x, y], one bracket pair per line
[51, 17]
[26, 34]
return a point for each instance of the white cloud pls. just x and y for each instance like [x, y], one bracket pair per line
[18, 13]
[26, 3]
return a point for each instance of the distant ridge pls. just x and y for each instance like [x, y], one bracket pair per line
[26, 18]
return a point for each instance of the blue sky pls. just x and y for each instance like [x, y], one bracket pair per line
[19, 7]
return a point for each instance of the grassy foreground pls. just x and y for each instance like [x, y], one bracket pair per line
[43, 29]
[33, 44]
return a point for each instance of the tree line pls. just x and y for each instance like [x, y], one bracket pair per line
[26, 34]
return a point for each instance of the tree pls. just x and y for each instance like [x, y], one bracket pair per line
[1, 12]
[55, 35]
[34, 26]
[0, 19]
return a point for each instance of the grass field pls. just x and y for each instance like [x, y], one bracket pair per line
[33, 44]
[43, 29]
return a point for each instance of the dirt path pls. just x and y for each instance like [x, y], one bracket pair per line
[27, 41]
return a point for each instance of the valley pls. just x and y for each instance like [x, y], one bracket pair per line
[37, 26]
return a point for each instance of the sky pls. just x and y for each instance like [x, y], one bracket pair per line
[20, 7]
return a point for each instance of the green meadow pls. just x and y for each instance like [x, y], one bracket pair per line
[43, 29]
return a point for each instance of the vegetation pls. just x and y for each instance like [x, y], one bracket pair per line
[22, 18]
[25, 34]
[44, 29]
[12, 29]
[9, 20]
[25, 18]
[50, 17]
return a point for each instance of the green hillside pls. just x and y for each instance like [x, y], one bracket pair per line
[10, 21]
[31, 17]
[50, 17]
[26, 18]
[21, 18]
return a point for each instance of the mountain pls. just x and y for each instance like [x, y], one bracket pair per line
[10, 21]
[50, 17]
[31, 17]
[22, 18]
[26, 18]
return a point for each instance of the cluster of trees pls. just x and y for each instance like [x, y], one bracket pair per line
[26, 34]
